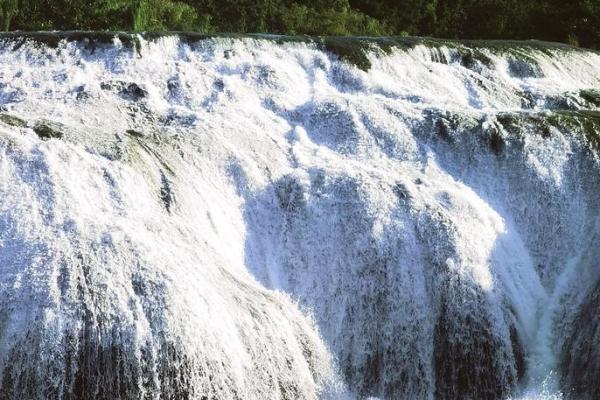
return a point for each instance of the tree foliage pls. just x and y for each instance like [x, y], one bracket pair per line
[8, 9]
[573, 21]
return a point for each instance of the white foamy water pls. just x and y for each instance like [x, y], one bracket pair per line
[245, 219]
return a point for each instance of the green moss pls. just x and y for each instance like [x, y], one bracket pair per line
[470, 58]
[517, 45]
[352, 49]
[585, 122]
[511, 122]
[45, 131]
[134, 133]
[12, 120]
[349, 50]
[517, 124]
[592, 96]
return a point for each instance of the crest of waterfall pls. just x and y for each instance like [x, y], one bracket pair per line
[269, 217]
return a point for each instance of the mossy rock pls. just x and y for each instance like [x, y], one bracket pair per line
[12, 120]
[91, 39]
[134, 133]
[528, 99]
[131, 39]
[586, 122]
[517, 123]
[583, 123]
[46, 131]
[592, 96]
[472, 58]
[351, 51]
[127, 90]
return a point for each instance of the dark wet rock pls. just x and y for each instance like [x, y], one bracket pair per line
[127, 90]
[467, 60]
[129, 40]
[352, 51]
[524, 67]
[174, 86]
[592, 96]
[290, 194]
[91, 40]
[474, 60]
[141, 114]
[496, 142]
[447, 127]
[46, 130]
[134, 92]
[228, 53]
[585, 123]
[518, 352]
[443, 129]
[100, 365]
[440, 57]
[12, 120]
[467, 368]
[110, 85]
[81, 93]
[582, 123]
[517, 123]
[562, 102]
[509, 121]
[580, 358]
[134, 133]
[544, 130]
[469, 357]
[472, 359]
[401, 192]
[166, 192]
[173, 117]
[219, 85]
[528, 100]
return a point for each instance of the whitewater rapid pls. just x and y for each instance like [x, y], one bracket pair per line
[274, 218]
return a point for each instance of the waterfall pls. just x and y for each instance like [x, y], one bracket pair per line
[266, 217]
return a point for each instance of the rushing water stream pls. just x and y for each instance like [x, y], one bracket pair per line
[286, 218]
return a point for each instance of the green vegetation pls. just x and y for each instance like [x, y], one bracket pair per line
[46, 130]
[583, 123]
[576, 22]
[8, 9]
[586, 121]
[12, 120]
[591, 96]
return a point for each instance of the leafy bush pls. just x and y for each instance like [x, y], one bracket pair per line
[576, 22]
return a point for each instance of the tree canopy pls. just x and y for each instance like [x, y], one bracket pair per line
[574, 21]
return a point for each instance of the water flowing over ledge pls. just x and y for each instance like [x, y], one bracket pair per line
[184, 216]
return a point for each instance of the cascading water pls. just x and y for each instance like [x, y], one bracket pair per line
[267, 217]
